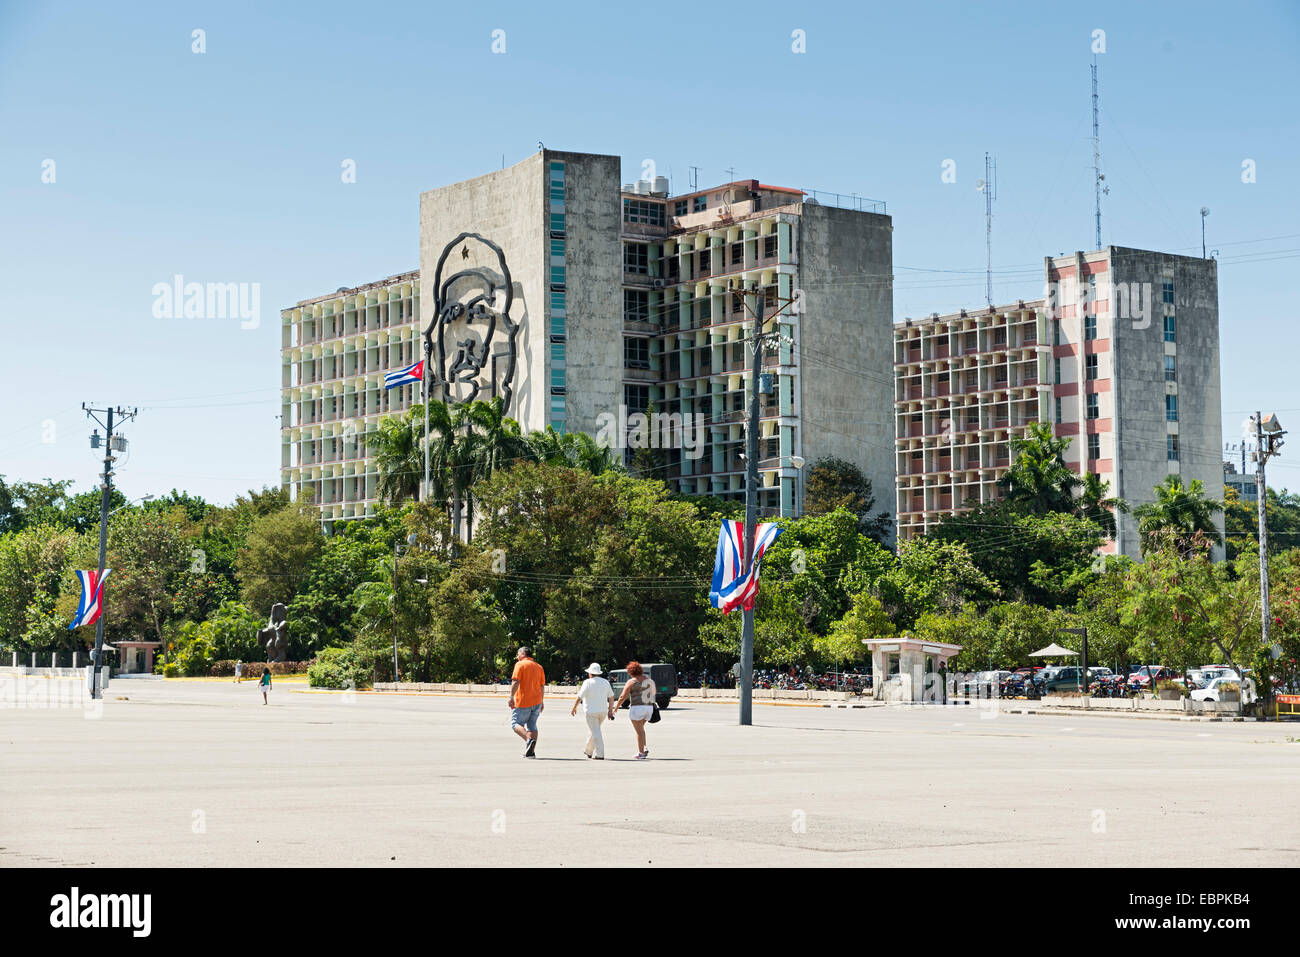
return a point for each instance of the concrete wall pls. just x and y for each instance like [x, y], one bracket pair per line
[594, 273]
[506, 207]
[1141, 388]
[845, 270]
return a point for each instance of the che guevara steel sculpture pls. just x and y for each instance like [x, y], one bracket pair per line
[472, 329]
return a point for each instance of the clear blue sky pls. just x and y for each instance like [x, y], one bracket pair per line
[225, 167]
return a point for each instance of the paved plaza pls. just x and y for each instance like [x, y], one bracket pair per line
[199, 773]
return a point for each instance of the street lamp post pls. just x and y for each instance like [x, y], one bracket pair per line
[398, 549]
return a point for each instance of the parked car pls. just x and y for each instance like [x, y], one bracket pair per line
[664, 676]
[1195, 678]
[1065, 679]
[1214, 690]
[1159, 672]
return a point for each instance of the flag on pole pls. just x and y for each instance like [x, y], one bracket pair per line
[734, 587]
[411, 374]
[92, 593]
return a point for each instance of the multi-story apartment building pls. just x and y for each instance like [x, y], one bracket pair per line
[583, 304]
[1245, 484]
[334, 351]
[1121, 355]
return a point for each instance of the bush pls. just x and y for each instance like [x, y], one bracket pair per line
[171, 670]
[1171, 686]
[226, 669]
[338, 668]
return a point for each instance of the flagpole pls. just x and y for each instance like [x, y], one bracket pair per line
[751, 520]
[424, 384]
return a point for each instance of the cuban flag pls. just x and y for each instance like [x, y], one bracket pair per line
[92, 594]
[414, 373]
[734, 587]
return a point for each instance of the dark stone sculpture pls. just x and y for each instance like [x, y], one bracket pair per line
[275, 636]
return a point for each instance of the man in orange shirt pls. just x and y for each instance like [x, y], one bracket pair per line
[527, 689]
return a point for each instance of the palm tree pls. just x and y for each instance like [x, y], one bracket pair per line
[1094, 504]
[399, 455]
[442, 452]
[491, 440]
[1039, 478]
[576, 450]
[1183, 511]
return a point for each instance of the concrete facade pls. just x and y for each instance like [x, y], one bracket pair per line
[619, 299]
[1121, 356]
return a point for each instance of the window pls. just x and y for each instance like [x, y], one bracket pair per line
[636, 258]
[1171, 408]
[738, 351]
[705, 309]
[1089, 327]
[1090, 364]
[703, 261]
[679, 208]
[1094, 446]
[1056, 371]
[1058, 410]
[1171, 329]
[557, 222]
[1093, 405]
[1167, 291]
[636, 305]
[1056, 332]
[737, 254]
[636, 397]
[769, 247]
[1171, 371]
[642, 211]
[701, 204]
[636, 353]
[1171, 448]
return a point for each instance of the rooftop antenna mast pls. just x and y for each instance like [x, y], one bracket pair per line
[1097, 175]
[989, 187]
[695, 178]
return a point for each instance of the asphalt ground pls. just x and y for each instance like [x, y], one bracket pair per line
[203, 774]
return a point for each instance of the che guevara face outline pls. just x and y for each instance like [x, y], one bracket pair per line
[486, 309]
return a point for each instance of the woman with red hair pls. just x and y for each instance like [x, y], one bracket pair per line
[639, 693]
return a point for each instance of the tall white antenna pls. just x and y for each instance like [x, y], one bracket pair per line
[989, 187]
[1097, 175]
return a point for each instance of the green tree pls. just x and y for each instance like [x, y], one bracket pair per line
[1039, 480]
[277, 558]
[1181, 509]
[397, 449]
[932, 576]
[491, 441]
[36, 568]
[834, 483]
[149, 554]
[843, 644]
[1183, 606]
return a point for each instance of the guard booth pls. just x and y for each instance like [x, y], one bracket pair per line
[136, 657]
[908, 670]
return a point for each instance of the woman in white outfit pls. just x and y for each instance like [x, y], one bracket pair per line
[640, 695]
[598, 697]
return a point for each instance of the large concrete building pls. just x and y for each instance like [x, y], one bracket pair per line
[1121, 355]
[583, 301]
[334, 351]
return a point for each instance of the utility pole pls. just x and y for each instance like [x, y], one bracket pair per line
[751, 501]
[112, 444]
[1205, 211]
[1268, 440]
[751, 517]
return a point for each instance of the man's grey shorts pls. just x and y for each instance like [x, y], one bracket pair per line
[525, 718]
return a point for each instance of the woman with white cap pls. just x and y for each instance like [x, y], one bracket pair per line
[598, 697]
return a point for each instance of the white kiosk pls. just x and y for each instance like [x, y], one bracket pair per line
[907, 670]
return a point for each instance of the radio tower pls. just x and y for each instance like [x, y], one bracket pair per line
[1097, 175]
[989, 187]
